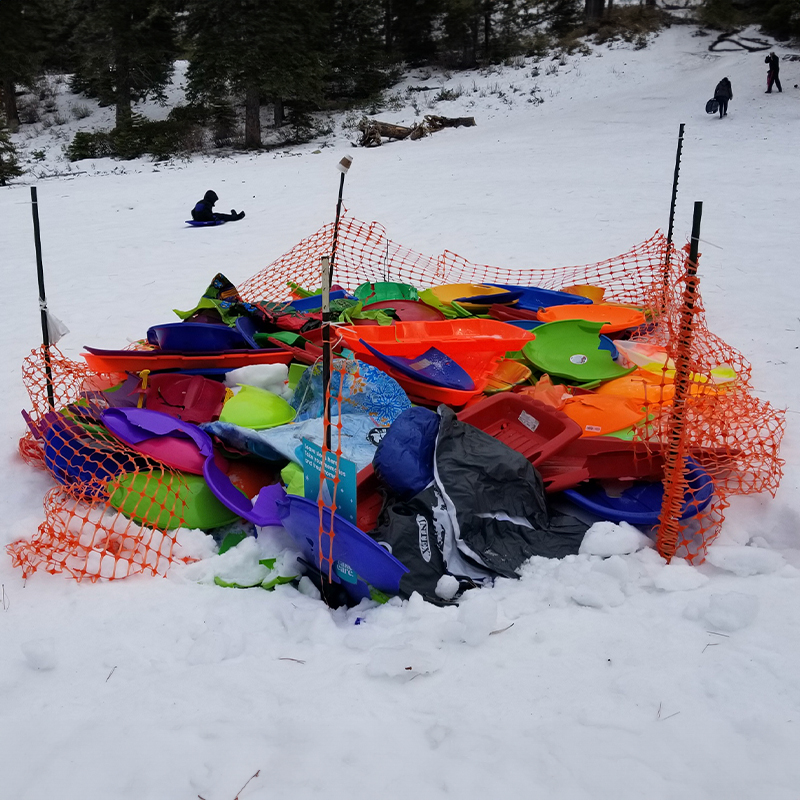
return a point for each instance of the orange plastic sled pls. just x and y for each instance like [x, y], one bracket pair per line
[599, 415]
[454, 337]
[641, 386]
[616, 318]
[506, 375]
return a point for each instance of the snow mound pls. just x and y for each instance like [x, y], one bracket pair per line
[679, 576]
[744, 561]
[609, 539]
[730, 612]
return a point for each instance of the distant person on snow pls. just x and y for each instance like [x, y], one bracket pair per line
[774, 64]
[722, 94]
[204, 210]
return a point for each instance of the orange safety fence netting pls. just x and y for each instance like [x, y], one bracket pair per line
[115, 512]
[364, 253]
[107, 528]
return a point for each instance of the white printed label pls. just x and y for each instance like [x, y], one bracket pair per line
[531, 423]
[424, 541]
[593, 428]
[578, 359]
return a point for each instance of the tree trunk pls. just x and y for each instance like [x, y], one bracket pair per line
[252, 118]
[278, 115]
[487, 30]
[593, 9]
[121, 24]
[387, 24]
[10, 104]
[122, 94]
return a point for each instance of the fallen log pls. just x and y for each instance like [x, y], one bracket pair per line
[389, 131]
[374, 131]
[435, 123]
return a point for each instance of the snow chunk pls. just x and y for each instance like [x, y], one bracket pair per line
[271, 377]
[478, 614]
[679, 576]
[745, 561]
[193, 543]
[615, 567]
[447, 587]
[598, 590]
[306, 587]
[609, 539]
[39, 653]
[731, 611]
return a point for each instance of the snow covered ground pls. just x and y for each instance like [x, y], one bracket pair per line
[620, 678]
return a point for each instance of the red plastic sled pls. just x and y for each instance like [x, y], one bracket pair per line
[599, 457]
[530, 427]
[137, 360]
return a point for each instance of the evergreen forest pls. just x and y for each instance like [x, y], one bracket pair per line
[253, 63]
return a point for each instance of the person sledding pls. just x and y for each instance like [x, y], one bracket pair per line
[204, 210]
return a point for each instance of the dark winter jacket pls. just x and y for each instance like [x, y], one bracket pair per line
[724, 89]
[204, 209]
[774, 63]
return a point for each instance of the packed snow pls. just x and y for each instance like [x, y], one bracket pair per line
[605, 675]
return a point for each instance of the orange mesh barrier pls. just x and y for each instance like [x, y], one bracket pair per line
[364, 253]
[731, 434]
[85, 532]
[325, 561]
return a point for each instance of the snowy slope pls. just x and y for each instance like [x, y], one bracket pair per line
[620, 678]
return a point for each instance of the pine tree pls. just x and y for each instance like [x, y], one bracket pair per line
[513, 25]
[20, 50]
[410, 27]
[9, 167]
[565, 15]
[125, 51]
[462, 25]
[259, 49]
[359, 65]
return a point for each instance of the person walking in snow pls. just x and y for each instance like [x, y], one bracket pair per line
[204, 210]
[774, 64]
[722, 94]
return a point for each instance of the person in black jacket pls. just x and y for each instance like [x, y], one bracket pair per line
[774, 64]
[722, 94]
[204, 210]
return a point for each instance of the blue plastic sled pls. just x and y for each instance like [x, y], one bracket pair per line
[533, 298]
[195, 224]
[358, 561]
[433, 367]
[640, 504]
